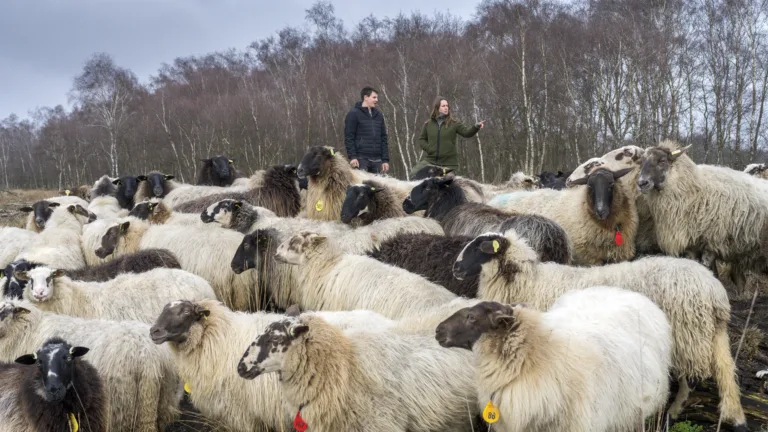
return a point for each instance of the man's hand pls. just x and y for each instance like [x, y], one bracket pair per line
[480, 124]
[354, 163]
[384, 167]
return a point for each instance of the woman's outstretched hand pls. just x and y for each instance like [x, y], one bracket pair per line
[480, 124]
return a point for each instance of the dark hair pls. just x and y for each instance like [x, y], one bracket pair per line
[366, 91]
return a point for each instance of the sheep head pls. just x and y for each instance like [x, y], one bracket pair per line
[251, 253]
[425, 192]
[177, 320]
[42, 211]
[657, 162]
[266, 353]
[223, 212]
[56, 363]
[294, 250]
[111, 239]
[40, 282]
[316, 162]
[466, 326]
[357, 200]
[600, 184]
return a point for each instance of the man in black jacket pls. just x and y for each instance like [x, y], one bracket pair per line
[365, 135]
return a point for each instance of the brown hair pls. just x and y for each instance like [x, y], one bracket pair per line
[436, 111]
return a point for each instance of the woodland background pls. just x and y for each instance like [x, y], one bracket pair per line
[558, 82]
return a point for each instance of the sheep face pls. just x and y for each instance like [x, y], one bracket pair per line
[156, 181]
[42, 211]
[481, 250]
[600, 184]
[315, 162]
[656, 164]
[111, 239]
[421, 195]
[10, 312]
[356, 202]
[223, 212]
[55, 363]
[623, 157]
[176, 320]
[40, 281]
[222, 168]
[251, 252]
[755, 169]
[126, 189]
[143, 210]
[266, 353]
[294, 250]
[430, 171]
[14, 287]
[465, 327]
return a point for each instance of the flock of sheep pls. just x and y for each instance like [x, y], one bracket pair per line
[324, 298]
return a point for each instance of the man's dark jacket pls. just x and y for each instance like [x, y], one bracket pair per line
[365, 135]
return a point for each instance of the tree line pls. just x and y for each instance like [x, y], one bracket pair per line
[557, 82]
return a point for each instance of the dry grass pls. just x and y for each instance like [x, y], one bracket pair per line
[13, 199]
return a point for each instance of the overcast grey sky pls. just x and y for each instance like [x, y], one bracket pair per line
[44, 43]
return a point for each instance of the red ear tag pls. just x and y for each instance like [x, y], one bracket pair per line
[298, 423]
[618, 238]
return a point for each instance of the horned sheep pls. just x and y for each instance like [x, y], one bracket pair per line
[127, 297]
[597, 360]
[140, 379]
[693, 299]
[410, 383]
[52, 390]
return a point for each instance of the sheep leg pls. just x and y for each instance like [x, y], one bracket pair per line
[725, 376]
[682, 395]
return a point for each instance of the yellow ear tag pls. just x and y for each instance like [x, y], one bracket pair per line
[373, 188]
[73, 426]
[676, 152]
[444, 171]
[186, 388]
[496, 246]
[491, 413]
[333, 153]
[319, 205]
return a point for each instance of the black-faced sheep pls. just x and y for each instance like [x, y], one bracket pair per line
[104, 203]
[597, 360]
[759, 170]
[217, 171]
[59, 244]
[694, 301]
[370, 201]
[279, 192]
[140, 379]
[710, 209]
[550, 180]
[52, 390]
[410, 383]
[155, 184]
[126, 190]
[446, 203]
[329, 176]
[156, 212]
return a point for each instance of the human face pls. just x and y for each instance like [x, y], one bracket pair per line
[371, 101]
[444, 108]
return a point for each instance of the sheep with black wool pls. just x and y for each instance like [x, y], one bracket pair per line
[217, 171]
[155, 184]
[694, 301]
[52, 390]
[140, 379]
[597, 360]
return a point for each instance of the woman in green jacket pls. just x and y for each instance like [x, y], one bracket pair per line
[438, 137]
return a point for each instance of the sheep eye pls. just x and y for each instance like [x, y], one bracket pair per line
[69, 358]
[471, 318]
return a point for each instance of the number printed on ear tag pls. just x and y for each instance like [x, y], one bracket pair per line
[491, 413]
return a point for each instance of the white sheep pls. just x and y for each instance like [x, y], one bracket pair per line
[188, 192]
[759, 170]
[157, 212]
[59, 244]
[332, 280]
[695, 302]
[140, 379]
[41, 210]
[408, 382]
[13, 241]
[194, 330]
[127, 297]
[597, 360]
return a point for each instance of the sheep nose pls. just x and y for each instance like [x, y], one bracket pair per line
[39, 221]
[241, 369]
[601, 212]
[157, 191]
[642, 182]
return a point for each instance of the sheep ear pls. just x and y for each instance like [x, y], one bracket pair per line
[490, 247]
[124, 227]
[116, 182]
[21, 275]
[78, 351]
[578, 181]
[2, 273]
[141, 178]
[677, 153]
[233, 161]
[26, 209]
[501, 318]
[293, 311]
[168, 177]
[18, 311]
[54, 204]
[57, 273]
[317, 239]
[27, 359]
[621, 173]
[298, 330]
[238, 204]
[445, 181]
